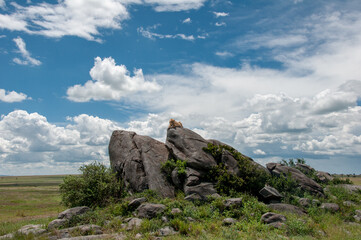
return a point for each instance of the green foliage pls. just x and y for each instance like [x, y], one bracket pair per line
[292, 163]
[296, 226]
[172, 164]
[287, 186]
[250, 178]
[337, 180]
[96, 186]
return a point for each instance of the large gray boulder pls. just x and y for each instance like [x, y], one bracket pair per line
[150, 210]
[137, 159]
[188, 145]
[284, 207]
[350, 188]
[324, 177]
[203, 190]
[71, 212]
[304, 182]
[270, 195]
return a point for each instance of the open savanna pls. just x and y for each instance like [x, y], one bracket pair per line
[28, 200]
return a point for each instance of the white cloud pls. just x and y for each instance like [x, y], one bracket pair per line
[110, 82]
[27, 59]
[12, 96]
[259, 152]
[175, 5]
[220, 24]
[81, 18]
[2, 4]
[224, 54]
[30, 144]
[220, 14]
[152, 35]
[187, 20]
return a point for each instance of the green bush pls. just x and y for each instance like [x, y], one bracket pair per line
[172, 164]
[250, 179]
[98, 185]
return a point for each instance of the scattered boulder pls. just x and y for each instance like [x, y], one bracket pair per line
[348, 203]
[166, 231]
[304, 182]
[324, 177]
[134, 223]
[233, 203]
[82, 229]
[71, 212]
[137, 159]
[273, 219]
[316, 202]
[357, 216]
[33, 229]
[193, 197]
[284, 207]
[270, 195]
[176, 211]
[57, 223]
[229, 221]
[150, 210]
[332, 207]
[136, 202]
[203, 190]
[351, 188]
[304, 202]
[305, 168]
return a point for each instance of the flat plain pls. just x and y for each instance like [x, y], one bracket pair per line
[28, 200]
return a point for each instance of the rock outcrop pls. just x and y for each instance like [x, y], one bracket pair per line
[304, 182]
[137, 159]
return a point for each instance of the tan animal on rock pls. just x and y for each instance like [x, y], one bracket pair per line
[173, 124]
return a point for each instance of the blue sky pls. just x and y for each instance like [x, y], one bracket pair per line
[274, 79]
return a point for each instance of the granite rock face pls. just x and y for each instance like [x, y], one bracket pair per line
[304, 182]
[137, 159]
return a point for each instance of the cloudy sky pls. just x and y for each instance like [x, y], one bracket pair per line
[275, 79]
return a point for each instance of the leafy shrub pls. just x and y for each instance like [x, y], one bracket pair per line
[337, 180]
[171, 164]
[287, 186]
[250, 179]
[98, 185]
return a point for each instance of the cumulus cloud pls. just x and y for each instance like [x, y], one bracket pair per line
[7, 96]
[29, 139]
[26, 57]
[220, 14]
[110, 82]
[224, 54]
[2, 4]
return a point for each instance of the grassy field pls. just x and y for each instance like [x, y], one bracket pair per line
[356, 180]
[28, 200]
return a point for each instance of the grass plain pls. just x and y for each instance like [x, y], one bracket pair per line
[28, 200]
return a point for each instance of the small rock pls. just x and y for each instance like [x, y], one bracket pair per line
[192, 181]
[357, 216]
[283, 207]
[324, 177]
[348, 203]
[278, 225]
[166, 231]
[165, 219]
[204, 190]
[76, 211]
[177, 181]
[233, 202]
[150, 210]
[176, 211]
[332, 207]
[136, 202]
[34, 229]
[304, 202]
[316, 202]
[229, 221]
[270, 195]
[271, 217]
[138, 236]
[190, 219]
[57, 223]
[193, 197]
[134, 223]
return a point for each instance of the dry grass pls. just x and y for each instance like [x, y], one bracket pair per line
[356, 180]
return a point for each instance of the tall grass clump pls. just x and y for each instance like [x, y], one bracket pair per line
[97, 186]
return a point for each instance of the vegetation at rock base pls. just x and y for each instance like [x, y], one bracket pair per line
[250, 179]
[172, 164]
[97, 186]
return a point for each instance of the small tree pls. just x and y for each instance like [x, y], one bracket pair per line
[96, 186]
